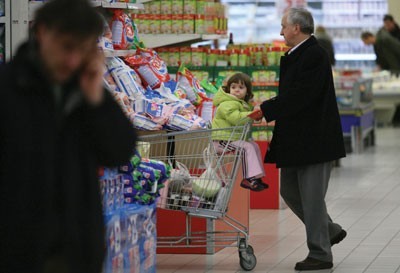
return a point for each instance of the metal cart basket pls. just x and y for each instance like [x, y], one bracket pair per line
[203, 176]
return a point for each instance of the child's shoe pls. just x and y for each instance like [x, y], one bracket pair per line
[253, 184]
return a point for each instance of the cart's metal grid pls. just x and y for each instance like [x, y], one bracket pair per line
[195, 152]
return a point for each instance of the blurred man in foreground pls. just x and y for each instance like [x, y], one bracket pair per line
[57, 126]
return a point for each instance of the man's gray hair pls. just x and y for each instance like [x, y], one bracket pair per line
[303, 18]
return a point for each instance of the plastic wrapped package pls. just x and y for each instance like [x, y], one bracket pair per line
[124, 34]
[150, 67]
[190, 86]
[131, 240]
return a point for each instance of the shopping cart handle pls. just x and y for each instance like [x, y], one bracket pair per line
[256, 114]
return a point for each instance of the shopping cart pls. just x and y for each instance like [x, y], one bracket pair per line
[202, 179]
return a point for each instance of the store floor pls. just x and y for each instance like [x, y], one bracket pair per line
[364, 197]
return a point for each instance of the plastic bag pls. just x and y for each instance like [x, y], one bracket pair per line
[208, 184]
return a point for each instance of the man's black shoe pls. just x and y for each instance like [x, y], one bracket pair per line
[312, 264]
[339, 237]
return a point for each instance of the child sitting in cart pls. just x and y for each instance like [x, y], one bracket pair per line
[233, 109]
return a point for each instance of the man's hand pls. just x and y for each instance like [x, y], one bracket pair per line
[257, 114]
[91, 78]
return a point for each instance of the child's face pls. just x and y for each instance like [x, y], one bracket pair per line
[239, 90]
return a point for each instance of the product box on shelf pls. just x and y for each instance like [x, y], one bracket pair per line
[186, 55]
[166, 7]
[188, 24]
[189, 7]
[154, 24]
[198, 57]
[166, 24]
[155, 7]
[177, 6]
[199, 23]
[177, 24]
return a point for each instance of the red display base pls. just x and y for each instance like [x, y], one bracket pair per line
[269, 198]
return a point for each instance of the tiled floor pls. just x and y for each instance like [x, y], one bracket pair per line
[364, 197]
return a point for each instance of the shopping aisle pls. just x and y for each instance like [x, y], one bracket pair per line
[364, 197]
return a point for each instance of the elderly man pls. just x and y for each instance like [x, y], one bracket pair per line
[307, 136]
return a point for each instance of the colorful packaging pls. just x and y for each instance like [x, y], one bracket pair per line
[189, 7]
[174, 56]
[145, 123]
[212, 55]
[186, 55]
[166, 24]
[234, 57]
[109, 82]
[209, 24]
[155, 7]
[206, 110]
[126, 82]
[177, 6]
[272, 55]
[177, 24]
[200, 6]
[190, 85]
[198, 57]
[258, 56]
[199, 24]
[154, 24]
[243, 57]
[188, 24]
[123, 34]
[144, 23]
[166, 7]
[150, 67]
[105, 42]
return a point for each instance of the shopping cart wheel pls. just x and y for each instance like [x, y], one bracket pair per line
[248, 261]
[242, 246]
[249, 249]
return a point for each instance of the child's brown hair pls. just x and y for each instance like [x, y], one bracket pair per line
[244, 79]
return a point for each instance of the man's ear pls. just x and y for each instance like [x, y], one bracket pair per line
[297, 28]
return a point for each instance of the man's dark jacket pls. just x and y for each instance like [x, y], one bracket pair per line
[49, 156]
[307, 123]
[395, 32]
[387, 50]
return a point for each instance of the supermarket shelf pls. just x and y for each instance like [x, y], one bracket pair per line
[119, 5]
[158, 40]
[34, 5]
[350, 25]
[119, 53]
[2, 20]
[355, 57]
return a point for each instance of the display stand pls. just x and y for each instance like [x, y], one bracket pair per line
[385, 102]
[269, 198]
[358, 125]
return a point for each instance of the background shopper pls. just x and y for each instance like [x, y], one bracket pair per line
[387, 49]
[307, 135]
[325, 41]
[57, 126]
[391, 26]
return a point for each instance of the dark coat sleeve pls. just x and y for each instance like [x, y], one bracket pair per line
[110, 132]
[300, 94]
